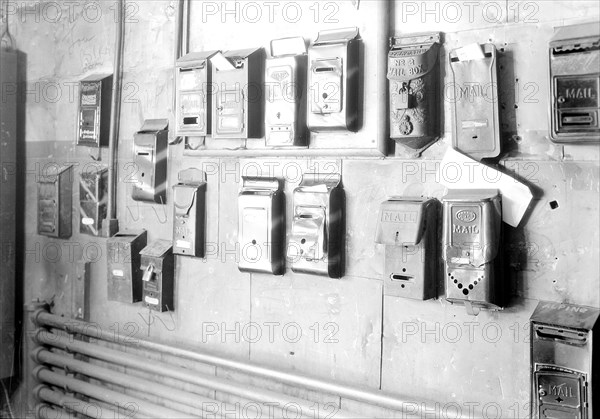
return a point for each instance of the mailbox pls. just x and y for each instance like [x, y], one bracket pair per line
[408, 229]
[93, 186]
[574, 84]
[285, 84]
[189, 206]
[95, 96]
[333, 81]
[55, 201]
[476, 118]
[158, 275]
[414, 83]
[471, 248]
[150, 160]
[194, 94]
[238, 77]
[124, 274]
[565, 361]
[261, 226]
[317, 241]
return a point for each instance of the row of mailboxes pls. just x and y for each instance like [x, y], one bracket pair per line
[222, 94]
[470, 251]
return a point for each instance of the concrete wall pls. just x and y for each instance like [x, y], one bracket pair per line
[349, 330]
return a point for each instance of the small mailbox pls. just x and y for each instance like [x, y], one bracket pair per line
[471, 248]
[408, 229]
[238, 78]
[414, 83]
[261, 226]
[93, 186]
[150, 159]
[333, 81]
[158, 275]
[565, 361]
[285, 84]
[124, 274]
[189, 199]
[575, 83]
[55, 201]
[316, 244]
[194, 94]
[95, 96]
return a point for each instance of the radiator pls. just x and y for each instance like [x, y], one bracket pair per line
[78, 369]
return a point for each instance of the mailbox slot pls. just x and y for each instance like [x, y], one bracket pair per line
[158, 275]
[317, 241]
[124, 274]
[189, 207]
[150, 159]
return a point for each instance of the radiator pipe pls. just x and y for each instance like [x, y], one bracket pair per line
[45, 411]
[43, 356]
[382, 399]
[144, 407]
[71, 404]
[210, 382]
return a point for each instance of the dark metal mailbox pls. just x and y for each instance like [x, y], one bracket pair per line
[563, 364]
[158, 275]
[575, 81]
[55, 200]
[124, 274]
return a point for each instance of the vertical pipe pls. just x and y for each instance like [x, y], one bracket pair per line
[110, 226]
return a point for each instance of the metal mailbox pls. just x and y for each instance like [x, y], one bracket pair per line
[124, 273]
[150, 159]
[93, 187]
[261, 226]
[158, 279]
[238, 102]
[476, 118]
[564, 361]
[333, 81]
[574, 84]
[471, 248]
[194, 94]
[414, 83]
[55, 201]
[408, 229]
[316, 245]
[189, 225]
[285, 84]
[95, 96]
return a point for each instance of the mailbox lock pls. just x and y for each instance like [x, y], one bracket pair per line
[542, 392]
[148, 273]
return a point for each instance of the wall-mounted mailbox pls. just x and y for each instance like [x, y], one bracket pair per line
[238, 78]
[95, 96]
[476, 118]
[124, 273]
[158, 275]
[575, 83]
[194, 94]
[414, 82]
[150, 159]
[565, 362]
[93, 186]
[285, 84]
[316, 245]
[261, 226]
[55, 201]
[333, 81]
[471, 248]
[189, 199]
[408, 229]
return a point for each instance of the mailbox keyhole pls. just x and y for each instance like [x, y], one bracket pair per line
[302, 241]
[142, 174]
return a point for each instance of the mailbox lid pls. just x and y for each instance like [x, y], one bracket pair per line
[157, 249]
[193, 59]
[421, 49]
[336, 36]
[184, 197]
[575, 37]
[402, 221]
[565, 315]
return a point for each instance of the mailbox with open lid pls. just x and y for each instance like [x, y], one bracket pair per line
[471, 248]
[261, 226]
[317, 241]
[408, 229]
[564, 367]
[158, 275]
[189, 207]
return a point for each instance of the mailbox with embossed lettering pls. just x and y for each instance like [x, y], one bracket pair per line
[414, 84]
[408, 229]
[574, 84]
[472, 248]
[475, 98]
[564, 361]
